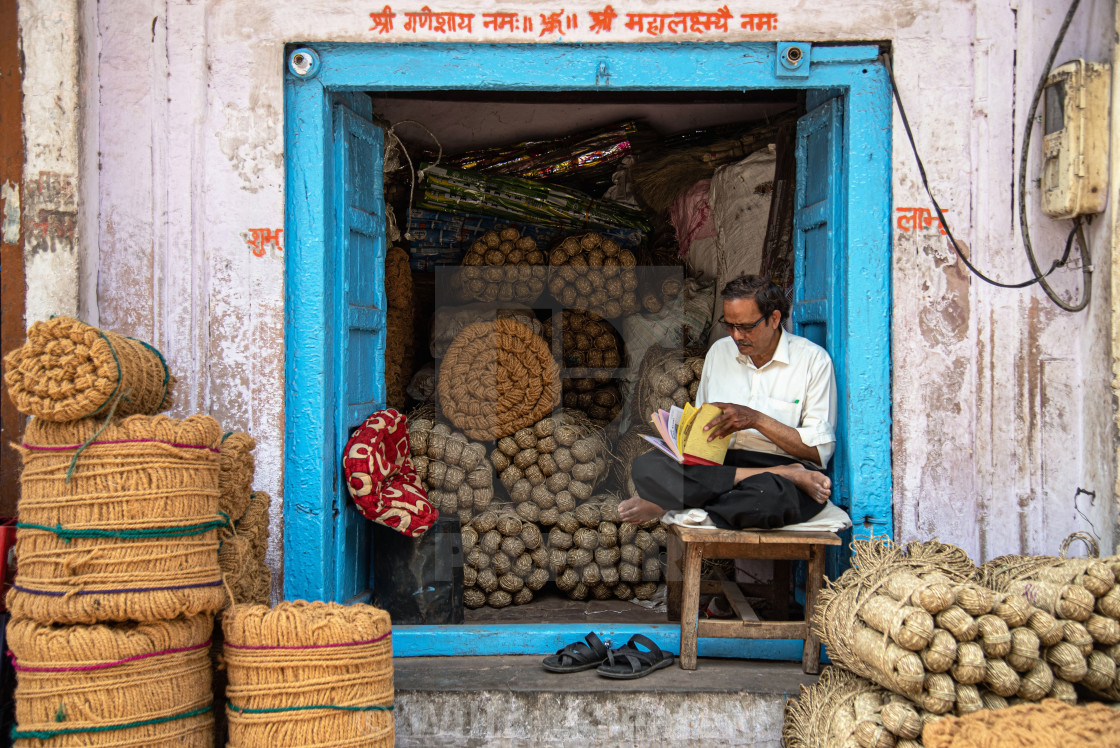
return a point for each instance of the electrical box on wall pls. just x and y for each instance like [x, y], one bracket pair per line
[1075, 139]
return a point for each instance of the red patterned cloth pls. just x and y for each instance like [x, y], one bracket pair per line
[380, 476]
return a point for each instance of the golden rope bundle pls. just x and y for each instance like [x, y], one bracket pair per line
[133, 684]
[308, 673]
[504, 266]
[454, 470]
[496, 378]
[68, 370]
[399, 328]
[1048, 723]
[253, 526]
[124, 527]
[505, 560]
[593, 273]
[589, 345]
[235, 473]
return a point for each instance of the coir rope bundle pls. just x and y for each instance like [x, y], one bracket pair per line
[399, 328]
[505, 266]
[552, 466]
[1048, 723]
[68, 370]
[143, 685]
[496, 378]
[593, 553]
[242, 554]
[630, 447]
[593, 273]
[667, 377]
[453, 469]
[118, 521]
[235, 473]
[843, 710]
[309, 674]
[505, 560]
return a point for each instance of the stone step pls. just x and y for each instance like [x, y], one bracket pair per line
[512, 701]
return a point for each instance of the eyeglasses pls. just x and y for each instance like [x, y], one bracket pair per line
[742, 329]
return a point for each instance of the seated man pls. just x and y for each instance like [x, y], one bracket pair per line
[777, 395]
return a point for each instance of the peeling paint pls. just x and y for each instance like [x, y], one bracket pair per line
[251, 140]
[9, 196]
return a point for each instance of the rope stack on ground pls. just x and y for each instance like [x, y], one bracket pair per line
[1048, 723]
[1075, 612]
[590, 354]
[505, 560]
[454, 469]
[399, 328]
[552, 466]
[118, 520]
[594, 274]
[309, 673]
[68, 370]
[630, 447]
[235, 473]
[843, 709]
[496, 378]
[593, 553]
[136, 684]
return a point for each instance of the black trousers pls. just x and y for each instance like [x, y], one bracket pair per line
[765, 501]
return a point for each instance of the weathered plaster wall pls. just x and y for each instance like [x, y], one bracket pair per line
[1002, 407]
[49, 33]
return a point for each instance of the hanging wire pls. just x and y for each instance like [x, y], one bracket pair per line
[413, 174]
[1077, 232]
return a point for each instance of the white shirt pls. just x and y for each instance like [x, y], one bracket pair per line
[796, 387]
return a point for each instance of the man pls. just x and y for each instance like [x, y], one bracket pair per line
[777, 394]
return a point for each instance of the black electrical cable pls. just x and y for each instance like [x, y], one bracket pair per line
[1083, 245]
[1076, 231]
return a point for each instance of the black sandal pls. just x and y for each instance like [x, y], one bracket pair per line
[629, 662]
[576, 657]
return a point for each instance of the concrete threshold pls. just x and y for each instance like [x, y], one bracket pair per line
[512, 701]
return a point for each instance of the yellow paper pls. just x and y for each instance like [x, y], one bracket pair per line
[693, 439]
[682, 427]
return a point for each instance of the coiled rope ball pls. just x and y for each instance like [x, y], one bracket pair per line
[309, 674]
[505, 266]
[496, 378]
[129, 684]
[69, 370]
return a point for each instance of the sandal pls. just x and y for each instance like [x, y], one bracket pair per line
[629, 662]
[576, 657]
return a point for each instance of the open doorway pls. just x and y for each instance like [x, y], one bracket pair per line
[336, 337]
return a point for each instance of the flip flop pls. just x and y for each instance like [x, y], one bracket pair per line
[629, 662]
[578, 656]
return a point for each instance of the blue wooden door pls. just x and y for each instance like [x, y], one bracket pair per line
[819, 256]
[359, 313]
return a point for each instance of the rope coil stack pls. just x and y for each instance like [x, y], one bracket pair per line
[667, 377]
[118, 521]
[594, 274]
[235, 473]
[1075, 613]
[399, 328]
[68, 370]
[593, 553]
[551, 467]
[137, 684]
[496, 378]
[590, 354]
[309, 673]
[505, 560]
[243, 552]
[505, 266]
[453, 469]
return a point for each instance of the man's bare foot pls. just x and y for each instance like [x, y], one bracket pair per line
[637, 510]
[817, 485]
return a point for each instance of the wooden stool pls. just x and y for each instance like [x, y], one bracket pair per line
[688, 546]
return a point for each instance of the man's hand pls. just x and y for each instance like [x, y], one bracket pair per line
[732, 418]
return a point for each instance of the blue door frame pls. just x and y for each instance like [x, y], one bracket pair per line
[858, 323]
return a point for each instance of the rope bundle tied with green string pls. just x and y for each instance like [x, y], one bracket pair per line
[129, 684]
[68, 370]
[308, 673]
[119, 520]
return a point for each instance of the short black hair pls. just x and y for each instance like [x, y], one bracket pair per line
[767, 294]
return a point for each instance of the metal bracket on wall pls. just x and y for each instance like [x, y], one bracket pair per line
[793, 60]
